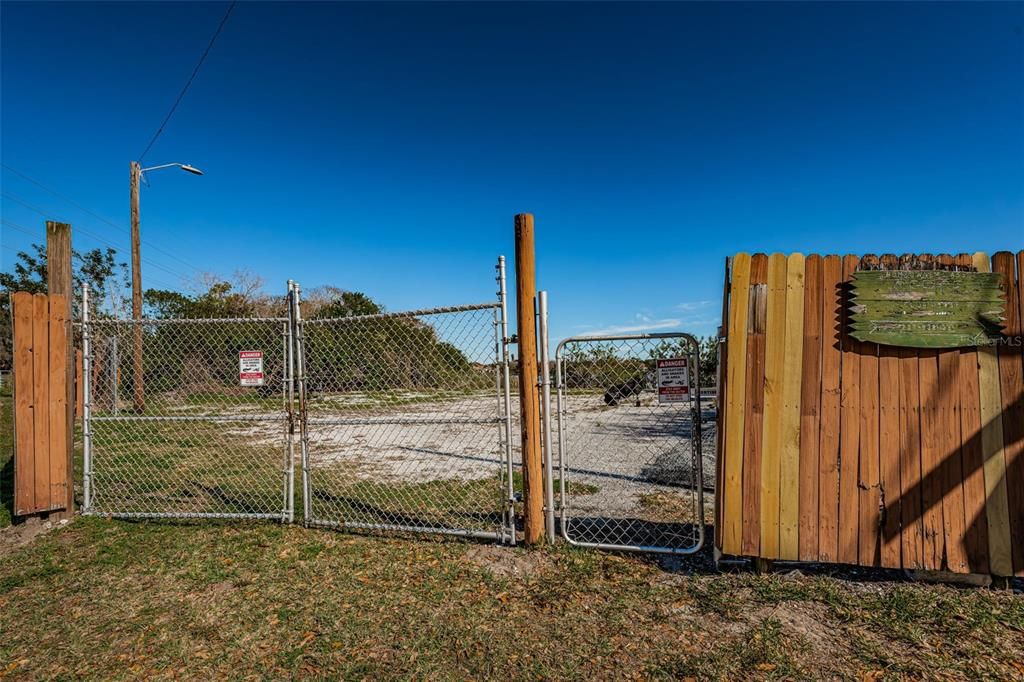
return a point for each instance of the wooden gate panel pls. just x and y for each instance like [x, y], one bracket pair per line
[40, 387]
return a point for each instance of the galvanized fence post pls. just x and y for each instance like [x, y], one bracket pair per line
[300, 368]
[289, 398]
[545, 406]
[507, 395]
[86, 403]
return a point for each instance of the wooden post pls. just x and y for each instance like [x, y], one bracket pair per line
[138, 391]
[529, 403]
[59, 282]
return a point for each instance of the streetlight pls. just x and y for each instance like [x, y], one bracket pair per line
[136, 176]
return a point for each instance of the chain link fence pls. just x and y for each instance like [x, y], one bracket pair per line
[630, 441]
[172, 429]
[405, 422]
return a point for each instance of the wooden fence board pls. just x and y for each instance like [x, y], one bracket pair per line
[732, 495]
[22, 313]
[868, 480]
[912, 522]
[990, 403]
[789, 455]
[810, 402]
[828, 456]
[951, 461]
[976, 524]
[950, 455]
[754, 419]
[1011, 378]
[849, 429]
[771, 449]
[889, 554]
[58, 405]
[41, 399]
[931, 489]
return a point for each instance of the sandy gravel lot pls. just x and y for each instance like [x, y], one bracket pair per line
[619, 453]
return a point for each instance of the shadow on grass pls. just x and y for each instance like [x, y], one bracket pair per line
[7, 490]
[6, 454]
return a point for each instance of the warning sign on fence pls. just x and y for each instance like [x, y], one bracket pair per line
[673, 381]
[250, 367]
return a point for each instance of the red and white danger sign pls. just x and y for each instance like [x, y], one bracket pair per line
[250, 367]
[673, 381]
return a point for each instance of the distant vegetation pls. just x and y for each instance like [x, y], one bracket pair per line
[600, 365]
[366, 355]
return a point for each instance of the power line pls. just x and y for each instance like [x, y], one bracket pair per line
[189, 82]
[21, 228]
[120, 228]
[42, 237]
[102, 240]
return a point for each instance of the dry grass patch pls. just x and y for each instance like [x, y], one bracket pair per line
[118, 600]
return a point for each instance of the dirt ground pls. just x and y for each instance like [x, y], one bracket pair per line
[619, 454]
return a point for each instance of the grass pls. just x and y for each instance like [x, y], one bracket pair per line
[117, 600]
[103, 599]
[572, 487]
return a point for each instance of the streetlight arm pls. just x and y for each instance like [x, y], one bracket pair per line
[182, 166]
[152, 168]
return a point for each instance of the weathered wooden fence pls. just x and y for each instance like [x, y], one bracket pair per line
[40, 397]
[836, 450]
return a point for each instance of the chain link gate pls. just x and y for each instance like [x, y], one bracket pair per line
[630, 459]
[406, 420]
[194, 438]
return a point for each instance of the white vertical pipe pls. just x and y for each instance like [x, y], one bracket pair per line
[289, 379]
[300, 368]
[509, 468]
[86, 403]
[545, 400]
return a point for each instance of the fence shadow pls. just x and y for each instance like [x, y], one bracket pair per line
[7, 484]
[7, 447]
[939, 482]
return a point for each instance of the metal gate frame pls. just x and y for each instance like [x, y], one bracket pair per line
[503, 418]
[565, 517]
[89, 420]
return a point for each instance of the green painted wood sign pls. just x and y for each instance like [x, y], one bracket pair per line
[927, 308]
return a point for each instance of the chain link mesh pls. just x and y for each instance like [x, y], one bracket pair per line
[630, 466]
[404, 425]
[193, 442]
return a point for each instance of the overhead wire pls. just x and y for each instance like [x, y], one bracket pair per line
[97, 216]
[188, 83]
[12, 197]
[42, 237]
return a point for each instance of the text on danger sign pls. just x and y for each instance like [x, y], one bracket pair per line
[250, 367]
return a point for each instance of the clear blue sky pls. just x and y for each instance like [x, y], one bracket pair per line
[386, 147]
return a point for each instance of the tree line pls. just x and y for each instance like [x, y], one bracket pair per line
[376, 354]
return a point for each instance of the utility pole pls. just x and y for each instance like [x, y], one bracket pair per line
[529, 401]
[136, 171]
[139, 392]
[59, 283]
